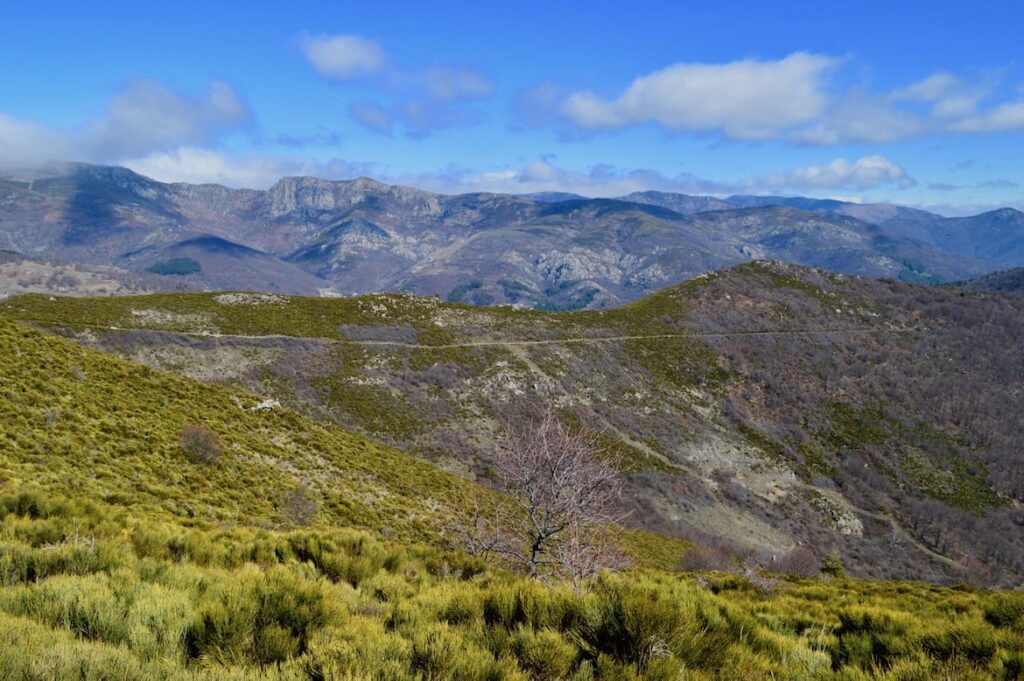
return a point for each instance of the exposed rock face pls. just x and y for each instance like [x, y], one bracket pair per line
[556, 251]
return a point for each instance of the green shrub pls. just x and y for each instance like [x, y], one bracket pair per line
[974, 641]
[1005, 609]
[832, 564]
[261, 618]
[544, 654]
[175, 266]
[638, 626]
[870, 635]
[435, 652]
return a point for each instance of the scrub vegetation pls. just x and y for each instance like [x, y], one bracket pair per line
[153, 526]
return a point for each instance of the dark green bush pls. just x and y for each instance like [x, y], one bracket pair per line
[1005, 609]
[175, 266]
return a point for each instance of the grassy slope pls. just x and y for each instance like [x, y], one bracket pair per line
[77, 421]
[119, 558]
[652, 395]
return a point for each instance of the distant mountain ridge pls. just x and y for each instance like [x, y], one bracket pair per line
[551, 250]
[1007, 281]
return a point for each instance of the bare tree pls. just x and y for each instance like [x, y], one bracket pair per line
[561, 512]
[201, 444]
[298, 505]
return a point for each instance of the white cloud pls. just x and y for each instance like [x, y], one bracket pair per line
[143, 118]
[418, 101]
[795, 99]
[421, 117]
[747, 99]
[456, 83]
[860, 117]
[542, 175]
[200, 166]
[928, 89]
[147, 115]
[344, 56]
[372, 117]
[951, 97]
[27, 144]
[1004, 117]
[868, 172]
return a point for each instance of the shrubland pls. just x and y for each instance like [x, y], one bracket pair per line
[766, 407]
[96, 591]
[307, 551]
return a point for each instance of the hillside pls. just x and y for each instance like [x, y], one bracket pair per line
[121, 557]
[78, 422]
[548, 251]
[212, 263]
[1006, 280]
[765, 406]
[19, 274]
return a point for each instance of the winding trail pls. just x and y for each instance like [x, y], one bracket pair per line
[608, 339]
[482, 343]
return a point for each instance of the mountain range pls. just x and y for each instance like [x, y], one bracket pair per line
[554, 251]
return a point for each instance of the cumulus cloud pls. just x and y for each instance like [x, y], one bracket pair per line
[537, 107]
[143, 118]
[951, 98]
[28, 144]
[421, 117]
[200, 166]
[797, 99]
[418, 101]
[1005, 117]
[928, 89]
[868, 172]
[746, 99]
[602, 179]
[344, 56]
[455, 83]
[860, 117]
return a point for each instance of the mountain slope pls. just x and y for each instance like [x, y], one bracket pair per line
[19, 274]
[680, 203]
[123, 557]
[1007, 280]
[768, 406]
[549, 251]
[79, 422]
[995, 237]
[215, 263]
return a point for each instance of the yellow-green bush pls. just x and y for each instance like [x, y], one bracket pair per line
[120, 558]
[155, 598]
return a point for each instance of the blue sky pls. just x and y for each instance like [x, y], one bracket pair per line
[912, 102]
